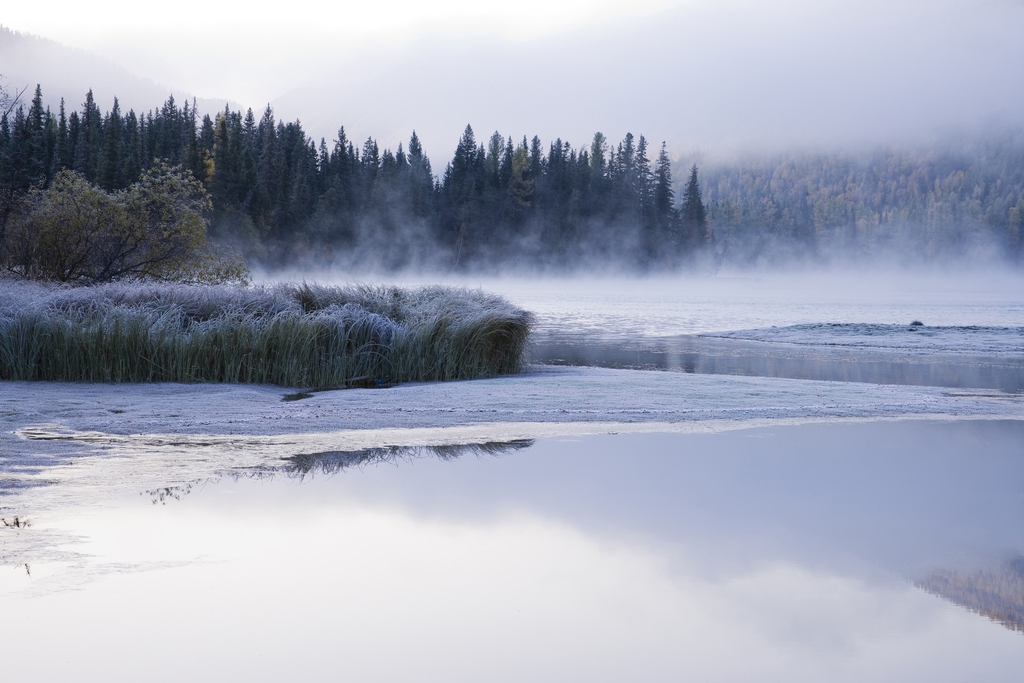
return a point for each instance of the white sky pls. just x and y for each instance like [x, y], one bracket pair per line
[700, 74]
[254, 44]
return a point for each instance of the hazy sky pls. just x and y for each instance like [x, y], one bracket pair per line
[709, 74]
[230, 49]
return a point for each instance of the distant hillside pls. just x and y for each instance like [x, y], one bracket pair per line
[957, 200]
[27, 60]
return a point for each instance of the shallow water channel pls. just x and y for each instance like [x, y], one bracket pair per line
[717, 356]
[869, 551]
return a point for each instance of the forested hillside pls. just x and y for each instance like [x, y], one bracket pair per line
[906, 205]
[284, 199]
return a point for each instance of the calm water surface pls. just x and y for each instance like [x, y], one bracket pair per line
[841, 552]
[715, 356]
[664, 323]
[786, 553]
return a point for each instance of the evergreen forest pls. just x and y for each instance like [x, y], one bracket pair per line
[282, 199]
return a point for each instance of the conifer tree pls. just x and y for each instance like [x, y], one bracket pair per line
[195, 160]
[664, 198]
[421, 179]
[110, 172]
[36, 130]
[62, 158]
[87, 148]
[135, 158]
[692, 213]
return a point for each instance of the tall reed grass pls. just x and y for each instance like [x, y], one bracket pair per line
[290, 335]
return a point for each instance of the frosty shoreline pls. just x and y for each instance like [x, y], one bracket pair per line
[72, 446]
[52, 418]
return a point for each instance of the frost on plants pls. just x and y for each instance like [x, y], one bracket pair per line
[290, 335]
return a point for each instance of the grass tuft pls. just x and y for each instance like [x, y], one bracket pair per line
[291, 335]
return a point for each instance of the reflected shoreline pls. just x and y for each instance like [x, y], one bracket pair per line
[996, 593]
[875, 506]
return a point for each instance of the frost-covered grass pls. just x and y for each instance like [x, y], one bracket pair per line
[290, 335]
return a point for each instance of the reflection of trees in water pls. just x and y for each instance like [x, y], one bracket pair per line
[162, 495]
[997, 594]
[332, 462]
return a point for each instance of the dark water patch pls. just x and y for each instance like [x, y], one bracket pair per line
[365, 382]
[716, 356]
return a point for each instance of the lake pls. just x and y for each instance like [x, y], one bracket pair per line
[881, 547]
[801, 552]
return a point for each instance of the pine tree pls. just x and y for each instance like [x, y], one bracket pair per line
[74, 131]
[49, 145]
[63, 154]
[644, 181]
[110, 172]
[37, 158]
[135, 159]
[421, 179]
[692, 213]
[225, 165]
[195, 161]
[664, 199]
[87, 148]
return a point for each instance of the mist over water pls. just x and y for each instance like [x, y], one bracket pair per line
[862, 169]
[615, 306]
[838, 325]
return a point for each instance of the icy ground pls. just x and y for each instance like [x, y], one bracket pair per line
[68, 443]
[39, 420]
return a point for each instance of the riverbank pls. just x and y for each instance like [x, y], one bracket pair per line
[38, 419]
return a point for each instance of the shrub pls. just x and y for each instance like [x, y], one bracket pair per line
[74, 232]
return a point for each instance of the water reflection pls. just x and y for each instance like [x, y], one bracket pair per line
[161, 495]
[905, 497]
[778, 553]
[333, 462]
[714, 356]
[997, 593]
[330, 463]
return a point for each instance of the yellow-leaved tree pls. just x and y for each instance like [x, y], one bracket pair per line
[154, 230]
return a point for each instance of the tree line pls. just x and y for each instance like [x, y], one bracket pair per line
[918, 205]
[280, 197]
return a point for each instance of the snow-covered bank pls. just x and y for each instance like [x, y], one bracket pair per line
[77, 446]
[39, 417]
